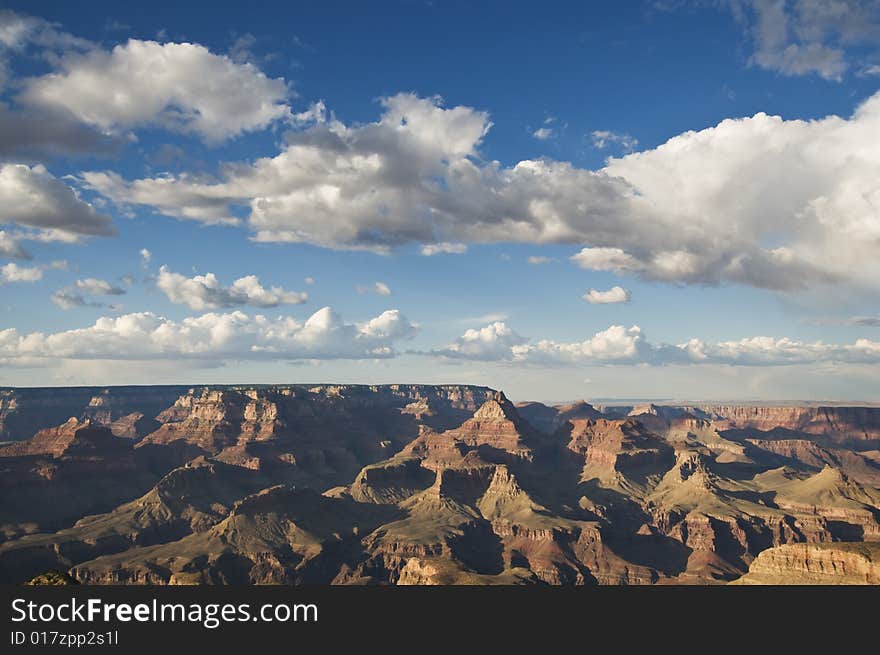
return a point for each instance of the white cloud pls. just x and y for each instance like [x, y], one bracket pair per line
[32, 197]
[495, 341]
[19, 31]
[10, 247]
[540, 259]
[379, 288]
[616, 344]
[309, 280]
[212, 337]
[205, 291]
[762, 201]
[431, 249]
[146, 256]
[607, 259]
[544, 133]
[12, 272]
[611, 296]
[179, 86]
[621, 345]
[77, 294]
[805, 37]
[95, 287]
[604, 138]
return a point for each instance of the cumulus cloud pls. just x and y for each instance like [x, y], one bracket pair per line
[79, 294]
[544, 133]
[379, 288]
[493, 342]
[95, 287]
[179, 86]
[605, 138]
[540, 259]
[146, 256]
[762, 201]
[12, 272]
[36, 134]
[205, 291]
[621, 345]
[212, 337]
[33, 197]
[611, 296]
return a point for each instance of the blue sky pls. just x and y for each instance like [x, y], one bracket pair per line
[705, 168]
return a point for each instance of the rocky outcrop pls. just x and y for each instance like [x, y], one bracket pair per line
[619, 452]
[816, 564]
[72, 439]
[65, 472]
[858, 426]
[24, 412]
[279, 535]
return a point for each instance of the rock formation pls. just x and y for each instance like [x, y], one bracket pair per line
[416, 484]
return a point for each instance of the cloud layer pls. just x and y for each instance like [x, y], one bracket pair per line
[621, 345]
[212, 336]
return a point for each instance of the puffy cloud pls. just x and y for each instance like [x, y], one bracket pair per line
[616, 344]
[212, 337]
[762, 201]
[544, 133]
[146, 256]
[379, 288]
[179, 86]
[493, 342]
[95, 287]
[536, 260]
[606, 259]
[621, 345]
[605, 138]
[37, 134]
[76, 294]
[613, 295]
[205, 291]
[32, 197]
[12, 272]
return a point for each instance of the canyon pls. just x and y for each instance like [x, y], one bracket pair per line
[430, 485]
